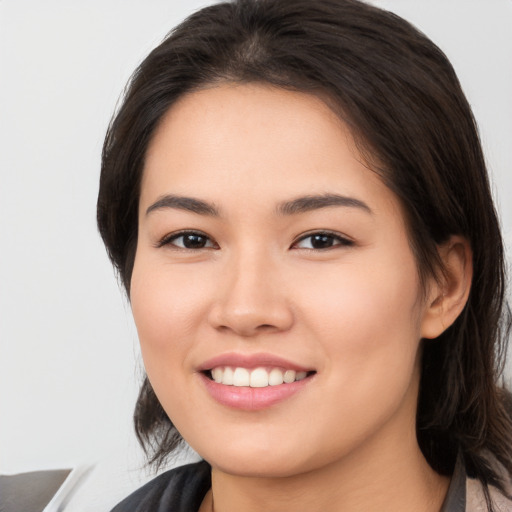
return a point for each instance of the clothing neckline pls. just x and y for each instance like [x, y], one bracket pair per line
[183, 489]
[455, 500]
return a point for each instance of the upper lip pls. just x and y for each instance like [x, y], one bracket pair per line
[251, 361]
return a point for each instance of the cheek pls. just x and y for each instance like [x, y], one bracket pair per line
[368, 327]
[167, 307]
[366, 314]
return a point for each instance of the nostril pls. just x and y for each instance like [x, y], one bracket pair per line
[266, 327]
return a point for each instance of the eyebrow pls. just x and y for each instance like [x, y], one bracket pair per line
[316, 202]
[184, 203]
[299, 205]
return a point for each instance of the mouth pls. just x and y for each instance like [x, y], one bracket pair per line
[253, 382]
[260, 377]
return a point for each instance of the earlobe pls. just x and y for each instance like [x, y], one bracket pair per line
[448, 293]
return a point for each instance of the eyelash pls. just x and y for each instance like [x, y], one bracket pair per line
[172, 237]
[342, 241]
[336, 239]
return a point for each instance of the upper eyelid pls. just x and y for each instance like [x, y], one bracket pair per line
[167, 239]
[334, 234]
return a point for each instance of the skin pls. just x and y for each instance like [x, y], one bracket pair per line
[354, 312]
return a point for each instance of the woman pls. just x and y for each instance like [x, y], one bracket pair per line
[295, 198]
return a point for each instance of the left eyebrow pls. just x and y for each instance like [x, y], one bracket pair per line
[190, 204]
[315, 202]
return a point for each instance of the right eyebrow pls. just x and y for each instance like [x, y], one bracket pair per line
[316, 202]
[189, 204]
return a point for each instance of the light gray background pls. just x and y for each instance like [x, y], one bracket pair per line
[68, 350]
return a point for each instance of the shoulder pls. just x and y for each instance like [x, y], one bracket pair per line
[467, 494]
[177, 490]
[476, 502]
[475, 495]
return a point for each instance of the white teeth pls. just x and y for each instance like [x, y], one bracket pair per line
[275, 377]
[241, 377]
[227, 378]
[257, 378]
[217, 375]
[289, 376]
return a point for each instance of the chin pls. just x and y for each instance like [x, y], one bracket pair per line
[256, 467]
[257, 462]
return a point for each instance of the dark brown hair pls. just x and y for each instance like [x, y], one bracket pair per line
[400, 96]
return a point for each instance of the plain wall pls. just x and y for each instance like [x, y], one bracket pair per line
[69, 362]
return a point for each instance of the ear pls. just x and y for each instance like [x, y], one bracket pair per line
[448, 294]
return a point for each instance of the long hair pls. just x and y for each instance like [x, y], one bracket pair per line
[400, 97]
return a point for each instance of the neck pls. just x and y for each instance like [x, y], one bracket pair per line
[387, 474]
[333, 490]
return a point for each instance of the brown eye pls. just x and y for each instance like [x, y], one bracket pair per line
[193, 241]
[188, 240]
[319, 241]
[322, 241]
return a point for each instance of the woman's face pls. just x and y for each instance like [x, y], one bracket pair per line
[267, 250]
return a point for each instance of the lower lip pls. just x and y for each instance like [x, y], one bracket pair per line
[252, 399]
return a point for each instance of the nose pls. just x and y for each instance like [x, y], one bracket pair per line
[251, 298]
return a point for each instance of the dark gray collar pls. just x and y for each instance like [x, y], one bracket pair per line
[455, 500]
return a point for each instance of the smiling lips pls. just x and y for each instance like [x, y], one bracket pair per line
[252, 382]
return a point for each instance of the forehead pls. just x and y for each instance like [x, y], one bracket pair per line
[224, 116]
[255, 141]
